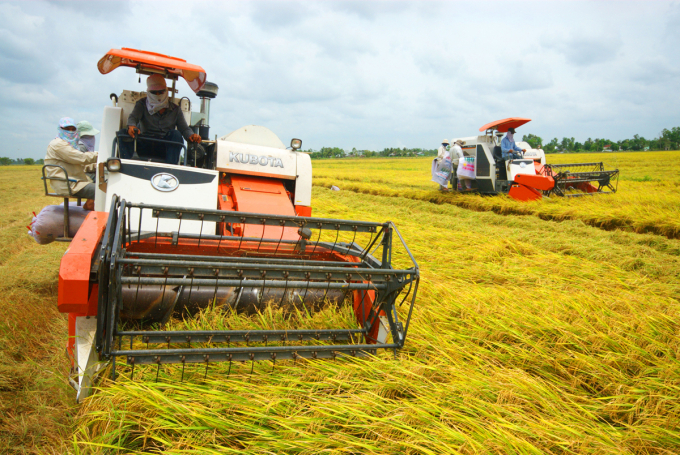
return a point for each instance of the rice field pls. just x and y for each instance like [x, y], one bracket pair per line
[547, 327]
[649, 180]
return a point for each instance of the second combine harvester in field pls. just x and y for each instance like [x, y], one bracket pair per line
[229, 227]
[530, 177]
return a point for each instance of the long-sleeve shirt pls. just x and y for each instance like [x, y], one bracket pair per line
[508, 146]
[456, 155]
[74, 161]
[508, 149]
[442, 152]
[159, 124]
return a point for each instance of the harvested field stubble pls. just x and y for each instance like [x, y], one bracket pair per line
[529, 336]
[648, 197]
[35, 404]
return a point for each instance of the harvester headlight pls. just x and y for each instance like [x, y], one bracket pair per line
[113, 164]
[295, 144]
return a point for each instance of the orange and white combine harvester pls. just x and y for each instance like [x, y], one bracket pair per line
[229, 227]
[530, 178]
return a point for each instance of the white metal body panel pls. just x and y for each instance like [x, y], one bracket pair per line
[86, 361]
[472, 140]
[140, 190]
[516, 167]
[303, 184]
[256, 150]
[532, 154]
[255, 135]
[111, 122]
[239, 158]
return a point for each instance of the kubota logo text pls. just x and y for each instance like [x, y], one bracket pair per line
[255, 159]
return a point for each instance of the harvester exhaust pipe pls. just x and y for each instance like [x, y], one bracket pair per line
[208, 92]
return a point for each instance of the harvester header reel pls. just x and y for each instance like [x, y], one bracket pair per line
[586, 178]
[147, 277]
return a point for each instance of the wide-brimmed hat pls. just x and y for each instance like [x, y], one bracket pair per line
[459, 142]
[445, 141]
[85, 128]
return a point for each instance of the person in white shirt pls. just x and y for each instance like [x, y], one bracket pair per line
[63, 151]
[456, 155]
[441, 167]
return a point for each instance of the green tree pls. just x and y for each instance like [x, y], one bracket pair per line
[4, 161]
[29, 161]
[638, 143]
[568, 144]
[588, 145]
[533, 140]
[551, 146]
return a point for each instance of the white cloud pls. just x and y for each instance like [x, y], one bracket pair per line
[355, 74]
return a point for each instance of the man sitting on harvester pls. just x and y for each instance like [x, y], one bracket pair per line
[509, 149]
[62, 151]
[157, 118]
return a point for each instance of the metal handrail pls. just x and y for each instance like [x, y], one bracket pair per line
[65, 179]
[115, 147]
[67, 222]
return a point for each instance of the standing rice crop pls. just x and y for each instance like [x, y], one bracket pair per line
[647, 200]
[530, 336]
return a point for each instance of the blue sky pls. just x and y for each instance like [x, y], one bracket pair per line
[355, 74]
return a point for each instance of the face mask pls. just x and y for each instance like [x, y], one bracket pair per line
[155, 103]
[69, 136]
[89, 142]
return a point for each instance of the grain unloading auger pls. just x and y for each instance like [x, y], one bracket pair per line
[530, 178]
[233, 234]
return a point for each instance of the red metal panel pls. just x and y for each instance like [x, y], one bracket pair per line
[540, 182]
[524, 193]
[303, 210]
[503, 125]
[193, 74]
[74, 271]
[263, 195]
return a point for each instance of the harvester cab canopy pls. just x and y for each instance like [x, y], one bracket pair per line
[502, 125]
[149, 63]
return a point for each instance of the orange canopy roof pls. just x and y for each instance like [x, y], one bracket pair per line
[153, 63]
[503, 125]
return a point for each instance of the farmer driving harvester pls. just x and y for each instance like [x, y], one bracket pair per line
[157, 118]
[509, 149]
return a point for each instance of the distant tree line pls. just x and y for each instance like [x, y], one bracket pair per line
[667, 140]
[336, 152]
[4, 161]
